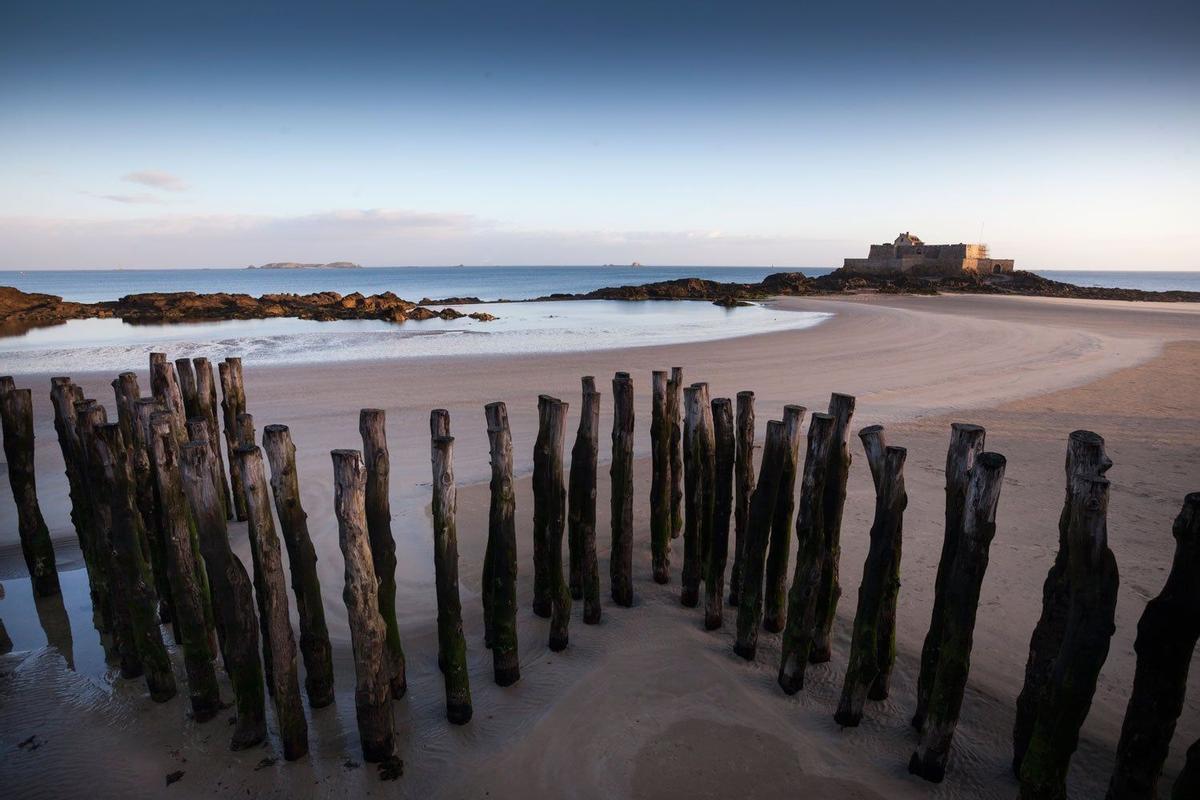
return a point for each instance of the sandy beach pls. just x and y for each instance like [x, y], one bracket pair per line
[648, 704]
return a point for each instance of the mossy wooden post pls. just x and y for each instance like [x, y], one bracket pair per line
[128, 542]
[1086, 456]
[1067, 697]
[541, 512]
[675, 417]
[206, 397]
[164, 386]
[958, 624]
[302, 561]
[714, 580]
[660, 481]
[16, 412]
[549, 514]
[500, 577]
[689, 579]
[704, 456]
[743, 479]
[620, 565]
[966, 443]
[866, 644]
[88, 416]
[368, 634]
[841, 408]
[233, 403]
[281, 644]
[775, 582]
[452, 645]
[1166, 639]
[1187, 784]
[371, 426]
[876, 448]
[581, 506]
[184, 569]
[758, 532]
[800, 632]
[189, 390]
[232, 596]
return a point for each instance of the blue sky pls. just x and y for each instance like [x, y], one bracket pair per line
[211, 134]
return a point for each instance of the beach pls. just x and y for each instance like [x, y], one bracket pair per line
[648, 704]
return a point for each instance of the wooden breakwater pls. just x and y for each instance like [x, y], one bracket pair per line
[152, 494]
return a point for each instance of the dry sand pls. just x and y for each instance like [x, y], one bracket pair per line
[647, 704]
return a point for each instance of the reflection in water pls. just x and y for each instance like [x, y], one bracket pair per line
[52, 615]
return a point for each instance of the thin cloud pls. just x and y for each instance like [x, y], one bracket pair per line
[128, 199]
[156, 179]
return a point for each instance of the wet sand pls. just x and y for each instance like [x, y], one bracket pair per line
[647, 704]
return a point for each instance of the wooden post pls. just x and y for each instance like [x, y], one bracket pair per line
[841, 408]
[714, 580]
[368, 634]
[800, 632]
[1166, 639]
[233, 402]
[581, 512]
[674, 416]
[302, 560]
[128, 543]
[743, 488]
[966, 443]
[1067, 697]
[281, 645]
[232, 596]
[958, 624]
[1187, 784]
[184, 569]
[206, 397]
[16, 413]
[1085, 457]
[189, 390]
[689, 579]
[164, 386]
[452, 645]
[542, 504]
[549, 513]
[758, 531]
[704, 457]
[660, 481]
[876, 450]
[621, 472]
[866, 643]
[775, 583]
[500, 576]
[113, 617]
[371, 425]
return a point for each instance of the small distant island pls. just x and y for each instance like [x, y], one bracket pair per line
[298, 265]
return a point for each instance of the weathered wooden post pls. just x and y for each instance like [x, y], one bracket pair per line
[841, 408]
[866, 643]
[111, 616]
[542, 504]
[233, 403]
[281, 645]
[705, 460]
[1187, 785]
[164, 387]
[1166, 639]
[371, 425]
[500, 574]
[660, 481]
[966, 443]
[674, 415]
[962, 585]
[800, 632]
[452, 645]
[581, 511]
[549, 513]
[127, 542]
[758, 531]
[689, 579]
[232, 597]
[206, 397]
[184, 569]
[714, 580]
[621, 472]
[743, 488]
[876, 449]
[302, 559]
[189, 390]
[775, 583]
[16, 413]
[1085, 457]
[1067, 697]
[368, 634]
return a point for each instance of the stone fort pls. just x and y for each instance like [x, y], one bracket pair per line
[910, 254]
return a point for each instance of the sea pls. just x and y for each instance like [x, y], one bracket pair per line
[529, 327]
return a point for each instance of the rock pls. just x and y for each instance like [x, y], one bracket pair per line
[482, 316]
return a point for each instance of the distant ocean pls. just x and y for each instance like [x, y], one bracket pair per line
[486, 283]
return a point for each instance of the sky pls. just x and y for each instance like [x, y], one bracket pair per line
[183, 134]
